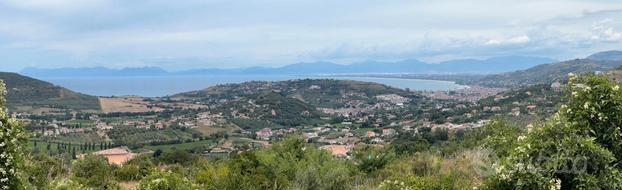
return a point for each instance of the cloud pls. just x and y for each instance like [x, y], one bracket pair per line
[54, 5]
[604, 30]
[513, 40]
[219, 33]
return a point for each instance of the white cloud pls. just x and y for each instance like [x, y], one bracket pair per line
[276, 32]
[55, 5]
[604, 30]
[512, 40]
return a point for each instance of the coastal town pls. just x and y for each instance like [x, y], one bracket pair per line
[374, 120]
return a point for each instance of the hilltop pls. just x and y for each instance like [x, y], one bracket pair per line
[606, 56]
[268, 110]
[549, 73]
[299, 102]
[324, 93]
[29, 94]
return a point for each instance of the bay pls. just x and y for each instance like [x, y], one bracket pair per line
[157, 86]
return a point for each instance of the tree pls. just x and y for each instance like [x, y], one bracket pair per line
[371, 158]
[73, 153]
[135, 169]
[66, 184]
[12, 139]
[93, 171]
[176, 156]
[157, 153]
[594, 105]
[576, 149]
[165, 180]
[41, 169]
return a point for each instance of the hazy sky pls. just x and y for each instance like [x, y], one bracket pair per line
[234, 33]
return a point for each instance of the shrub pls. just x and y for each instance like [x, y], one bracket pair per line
[165, 180]
[576, 149]
[93, 171]
[135, 169]
[66, 184]
[12, 139]
[42, 169]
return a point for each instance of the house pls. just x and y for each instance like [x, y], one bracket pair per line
[336, 150]
[314, 87]
[264, 134]
[556, 86]
[377, 140]
[103, 126]
[388, 132]
[219, 153]
[371, 134]
[117, 156]
[531, 107]
[515, 111]
[310, 135]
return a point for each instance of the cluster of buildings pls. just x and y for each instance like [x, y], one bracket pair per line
[470, 93]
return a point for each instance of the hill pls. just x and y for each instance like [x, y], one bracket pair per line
[268, 110]
[606, 56]
[29, 94]
[299, 102]
[547, 73]
[324, 93]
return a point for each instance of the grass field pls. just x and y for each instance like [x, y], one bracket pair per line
[84, 123]
[208, 130]
[184, 146]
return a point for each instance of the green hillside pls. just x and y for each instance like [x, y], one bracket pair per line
[324, 93]
[547, 73]
[268, 110]
[606, 55]
[28, 94]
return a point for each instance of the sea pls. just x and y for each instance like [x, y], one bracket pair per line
[159, 86]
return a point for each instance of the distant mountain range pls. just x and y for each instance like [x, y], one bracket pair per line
[462, 66]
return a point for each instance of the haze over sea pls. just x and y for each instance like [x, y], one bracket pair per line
[157, 86]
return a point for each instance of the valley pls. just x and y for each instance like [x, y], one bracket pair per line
[336, 116]
[325, 111]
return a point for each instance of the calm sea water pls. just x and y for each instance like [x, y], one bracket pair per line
[169, 85]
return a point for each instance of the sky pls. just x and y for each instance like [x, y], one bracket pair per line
[178, 35]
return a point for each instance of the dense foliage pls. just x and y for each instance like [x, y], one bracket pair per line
[576, 149]
[12, 140]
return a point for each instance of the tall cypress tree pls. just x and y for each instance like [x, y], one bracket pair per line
[73, 153]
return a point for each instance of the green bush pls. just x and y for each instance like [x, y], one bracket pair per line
[12, 141]
[576, 149]
[135, 169]
[66, 184]
[42, 169]
[159, 180]
[93, 171]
